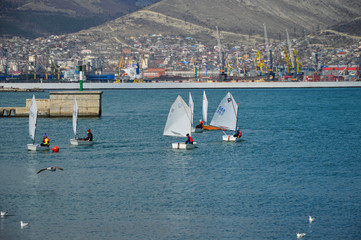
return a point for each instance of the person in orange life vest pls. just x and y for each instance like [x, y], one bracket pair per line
[238, 134]
[189, 139]
[89, 137]
[46, 141]
[200, 125]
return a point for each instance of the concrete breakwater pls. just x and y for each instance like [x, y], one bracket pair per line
[181, 85]
[60, 104]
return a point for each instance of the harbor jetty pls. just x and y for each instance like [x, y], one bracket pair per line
[182, 85]
[60, 104]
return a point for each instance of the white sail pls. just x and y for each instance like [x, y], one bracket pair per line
[33, 115]
[179, 119]
[205, 107]
[191, 106]
[225, 116]
[75, 117]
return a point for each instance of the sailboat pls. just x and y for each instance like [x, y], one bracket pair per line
[76, 140]
[226, 117]
[179, 123]
[33, 118]
[204, 107]
[191, 106]
[204, 112]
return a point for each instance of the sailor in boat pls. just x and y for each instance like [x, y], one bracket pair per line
[89, 137]
[46, 141]
[237, 134]
[200, 125]
[189, 139]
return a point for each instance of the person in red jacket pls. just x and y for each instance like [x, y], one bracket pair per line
[238, 133]
[200, 125]
[189, 139]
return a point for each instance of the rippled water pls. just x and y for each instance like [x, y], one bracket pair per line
[300, 156]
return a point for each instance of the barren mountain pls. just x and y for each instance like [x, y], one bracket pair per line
[34, 18]
[236, 19]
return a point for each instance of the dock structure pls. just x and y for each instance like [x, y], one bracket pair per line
[60, 104]
[183, 85]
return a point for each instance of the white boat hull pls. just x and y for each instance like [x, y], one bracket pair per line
[37, 147]
[78, 142]
[231, 138]
[179, 145]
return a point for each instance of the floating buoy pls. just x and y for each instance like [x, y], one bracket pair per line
[55, 149]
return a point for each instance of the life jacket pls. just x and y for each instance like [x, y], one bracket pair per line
[46, 141]
[190, 139]
[202, 124]
[239, 133]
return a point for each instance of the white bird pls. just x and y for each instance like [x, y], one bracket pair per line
[3, 213]
[52, 169]
[311, 219]
[300, 235]
[23, 224]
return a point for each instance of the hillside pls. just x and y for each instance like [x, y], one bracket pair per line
[237, 19]
[34, 18]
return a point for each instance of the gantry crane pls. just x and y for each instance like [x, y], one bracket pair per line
[259, 63]
[310, 49]
[288, 61]
[297, 62]
[6, 59]
[289, 47]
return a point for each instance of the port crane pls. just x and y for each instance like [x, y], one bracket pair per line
[297, 62]
[310, 49]
[266, 42]
[54, 68]
[289, 47]
[270, 75]
[288, 60]
[5, 60]
[241, 65]
[259, 63]
[222, 73]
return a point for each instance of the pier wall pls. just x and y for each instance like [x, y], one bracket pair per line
[181, 85]
[89, 103]
[60, 104]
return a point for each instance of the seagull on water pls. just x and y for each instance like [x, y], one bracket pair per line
[300, 235]
[311, 219]
[3, 214]
[52, 169]
[23, 224]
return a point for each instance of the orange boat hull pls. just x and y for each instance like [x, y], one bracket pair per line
[212, 128]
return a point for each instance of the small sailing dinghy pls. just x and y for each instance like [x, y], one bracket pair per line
[204, 112]
[226, 117]
[33, 118]
[76, 140]
[179, 123]
[191, 106]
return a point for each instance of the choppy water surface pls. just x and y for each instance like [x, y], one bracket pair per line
[300, 156]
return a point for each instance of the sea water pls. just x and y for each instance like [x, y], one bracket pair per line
[300, 156]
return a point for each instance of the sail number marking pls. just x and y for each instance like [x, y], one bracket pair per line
[220, 110]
